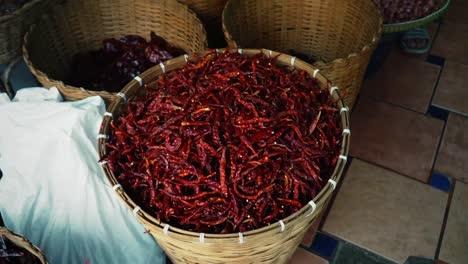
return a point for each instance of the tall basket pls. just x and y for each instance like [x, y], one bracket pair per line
[340, 34]
[22, 242]
[271, 244]
[81, 25]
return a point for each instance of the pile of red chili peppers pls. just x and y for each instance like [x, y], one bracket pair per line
[227, 144]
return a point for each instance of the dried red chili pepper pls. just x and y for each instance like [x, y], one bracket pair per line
[226, 144]
[395, 11]
[118, 61]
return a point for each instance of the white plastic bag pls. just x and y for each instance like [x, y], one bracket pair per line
[55, 193]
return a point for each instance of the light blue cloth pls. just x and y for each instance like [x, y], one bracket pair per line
[53, 190]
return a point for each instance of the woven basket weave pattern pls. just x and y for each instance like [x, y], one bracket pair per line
[82, 25]
[342, 34]
[22, 242]
[269, 244]
[14, 26]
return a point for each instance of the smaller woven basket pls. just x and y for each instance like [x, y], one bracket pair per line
[22, 242]
[404, 26]
[271, 244]
[340, 34]
[13, 27]
[81, 25]
[209, 12]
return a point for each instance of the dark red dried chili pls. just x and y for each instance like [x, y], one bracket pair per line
[227, 144]
[396, 11]
[120, 60]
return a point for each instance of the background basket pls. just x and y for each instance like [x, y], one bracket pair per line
[13, 27]
[82, 25]
[22, 242]
[340, 34]
[209, 12]
[269, 244]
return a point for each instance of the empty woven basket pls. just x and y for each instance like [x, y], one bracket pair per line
[270, 244]
[340, 34]
[81, 25]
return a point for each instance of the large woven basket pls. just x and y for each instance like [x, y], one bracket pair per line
[82, 25]
[271, 244]
[22, 242]
[341, 34]
[209, 12]
[13, 27]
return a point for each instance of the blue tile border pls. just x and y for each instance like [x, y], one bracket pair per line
[324, 245]
[441, 181]
[349, 253]
[419, 260]
[435, 60]
[438, 112]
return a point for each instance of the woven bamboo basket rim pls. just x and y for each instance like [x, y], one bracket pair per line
[209, 238]
[18, 11]
[373, 43]
[408, 25]
[21, 241]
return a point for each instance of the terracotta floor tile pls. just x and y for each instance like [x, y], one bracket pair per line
[452, 159]
[457, 11]
[405, 81]
[387, 213]
[452, 42]
[433, 29]
[302, 256]
[395, 138]
[454, 248]
[452, 92]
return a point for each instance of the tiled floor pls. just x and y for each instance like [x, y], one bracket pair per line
[378, 210]
[452, 92]
[451, 42]
[404, 198]
[395, 138]
[409, 131]
[455, 244]
[453, 159]
[408, 83]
